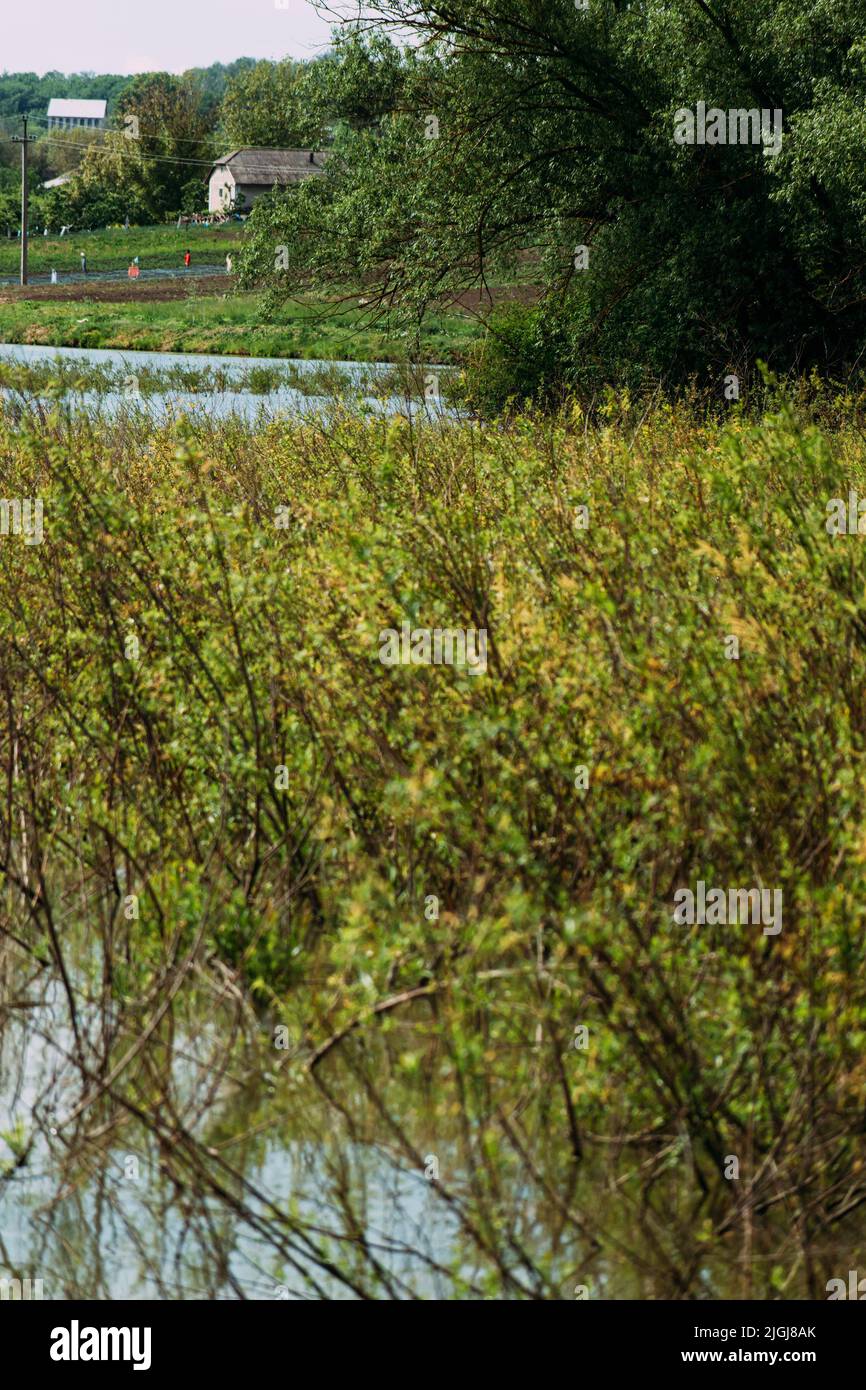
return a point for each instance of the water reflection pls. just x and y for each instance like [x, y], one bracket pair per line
[215, 1165]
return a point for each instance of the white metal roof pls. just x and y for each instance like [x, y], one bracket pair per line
[64, 106]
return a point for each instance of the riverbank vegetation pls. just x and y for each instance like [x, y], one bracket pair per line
[432, 853]
[395, 880]
[63, 379]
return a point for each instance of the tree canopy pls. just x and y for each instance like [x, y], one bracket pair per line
[266, 106]
[532, 128]
[154, 166]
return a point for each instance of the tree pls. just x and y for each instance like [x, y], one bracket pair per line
[361, 80]
[163, 141]
[531, 128]
[62, 151]
[94, 203]
[213, 82]
[265, 107]
[26, 93]
[10, 212]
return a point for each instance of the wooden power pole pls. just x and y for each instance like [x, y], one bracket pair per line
[24, 141]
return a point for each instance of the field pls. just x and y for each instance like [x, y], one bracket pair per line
[423, 914]
[113, 248]
[207, 314]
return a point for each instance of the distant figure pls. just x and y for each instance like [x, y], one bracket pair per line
[133, 271]
[229, 264]
[186, 259]
[126, 223]
[54, 277]
[83, 262]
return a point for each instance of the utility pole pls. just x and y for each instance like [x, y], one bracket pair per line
[24, 141]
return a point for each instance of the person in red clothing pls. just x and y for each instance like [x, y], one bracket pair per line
[186, 258]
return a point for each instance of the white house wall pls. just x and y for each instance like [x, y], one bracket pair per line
[221, 190]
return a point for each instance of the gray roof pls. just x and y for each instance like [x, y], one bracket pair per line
[272, 166]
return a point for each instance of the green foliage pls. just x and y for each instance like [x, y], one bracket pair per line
[359, 81]
[26, 93]
[555, 130]
[284, 805]
[297, 105]
[257, 650]
[156, 167]
[267, 106]
[96, 201]
[162, 172]
[525, 355]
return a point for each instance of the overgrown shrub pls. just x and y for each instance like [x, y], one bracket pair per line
[524, 356]
[191, 689]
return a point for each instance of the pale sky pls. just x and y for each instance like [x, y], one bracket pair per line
[127, 36]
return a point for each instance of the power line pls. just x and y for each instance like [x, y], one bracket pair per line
[158, 158]
[144, 135]
[173, 159]
[268, 169]
[115, 130]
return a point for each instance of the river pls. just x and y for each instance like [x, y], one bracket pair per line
[357, 382]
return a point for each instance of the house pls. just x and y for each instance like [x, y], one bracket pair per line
[242, 176]
[66, 114]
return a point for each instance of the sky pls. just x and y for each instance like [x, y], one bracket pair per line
[127, 36]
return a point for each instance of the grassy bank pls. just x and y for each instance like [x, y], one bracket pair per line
[205, 315]
[200, 725]
[154, 320]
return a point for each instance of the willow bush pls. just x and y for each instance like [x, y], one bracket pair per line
[198, 731]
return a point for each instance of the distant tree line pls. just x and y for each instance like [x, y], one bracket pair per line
[162, 174]
[26, 93]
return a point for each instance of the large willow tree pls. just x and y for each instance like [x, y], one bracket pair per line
[522, 130]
